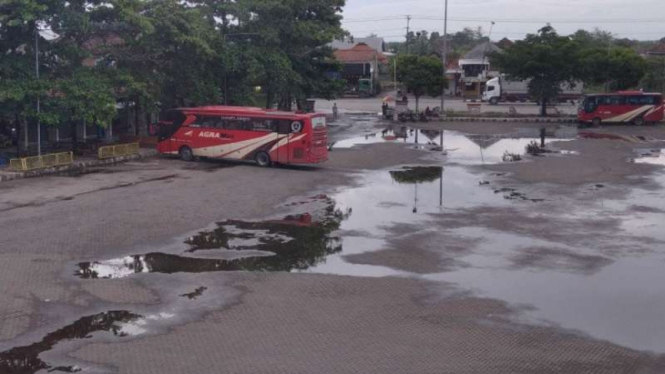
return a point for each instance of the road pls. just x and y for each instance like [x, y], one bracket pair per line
[373, 105]
[418, 261]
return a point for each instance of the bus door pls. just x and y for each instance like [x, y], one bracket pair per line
[166, 129]
[284, 131]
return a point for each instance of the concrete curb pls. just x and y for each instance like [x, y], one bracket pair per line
[10, 176]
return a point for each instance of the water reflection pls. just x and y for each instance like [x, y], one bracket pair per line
[25, 360]
[460, 148]
[652, 157]
[292, 244]
[418, 174]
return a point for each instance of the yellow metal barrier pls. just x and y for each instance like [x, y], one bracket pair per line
[118, 150]
[41, 162]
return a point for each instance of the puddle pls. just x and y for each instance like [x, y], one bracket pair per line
[195, 294]
[607, 286]
[294, 243]
[460, 148]
[25, 359]
[651, 156]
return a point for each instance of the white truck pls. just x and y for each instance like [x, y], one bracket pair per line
[501, 89]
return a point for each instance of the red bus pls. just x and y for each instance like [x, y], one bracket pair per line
[243, 133]
[622, 107]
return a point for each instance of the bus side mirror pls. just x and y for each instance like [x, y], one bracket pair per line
[153, 129]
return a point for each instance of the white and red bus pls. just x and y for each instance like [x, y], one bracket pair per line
[634, 107]
[243, 133]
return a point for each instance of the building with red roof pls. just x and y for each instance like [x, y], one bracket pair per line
[360, 62]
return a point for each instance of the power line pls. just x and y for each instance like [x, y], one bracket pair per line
[394, 18]
[507, 20]
[533, 20]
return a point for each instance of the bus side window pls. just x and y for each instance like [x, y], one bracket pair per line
[232, 125]
[263, 125]
[604, 100]
[207, 122]
[284, 126]
[649, 100]
[636, 100]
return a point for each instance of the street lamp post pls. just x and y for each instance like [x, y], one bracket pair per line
[39, 123]
[444, 56]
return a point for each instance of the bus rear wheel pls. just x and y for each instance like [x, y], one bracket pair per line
[263, 159]
[186, 154]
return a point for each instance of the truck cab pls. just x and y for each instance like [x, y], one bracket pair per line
[492, 92]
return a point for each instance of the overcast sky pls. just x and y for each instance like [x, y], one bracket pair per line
[636, 19]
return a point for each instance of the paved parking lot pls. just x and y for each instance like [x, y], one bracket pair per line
[420, 257]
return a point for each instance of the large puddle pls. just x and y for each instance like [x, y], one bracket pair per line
[459, 148]
[294, 243]
[594, 266]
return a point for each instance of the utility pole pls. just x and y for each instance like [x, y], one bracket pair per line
[444, 56]
[39, 124]
[395, 76]
[408, 32]
[609, 56]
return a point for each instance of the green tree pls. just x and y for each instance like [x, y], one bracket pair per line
[291, 45]
[619, 68]
[654, 79]
[20, 21]
[421, 75]
[546, 59]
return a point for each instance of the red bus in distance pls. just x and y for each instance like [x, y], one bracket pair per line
[243, 133]
[634, 107]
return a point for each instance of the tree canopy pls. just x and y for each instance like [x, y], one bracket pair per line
[421, 75]
[546, 59]
[549, 60]
[159, 54]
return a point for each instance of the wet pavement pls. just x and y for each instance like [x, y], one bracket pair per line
[593, 267]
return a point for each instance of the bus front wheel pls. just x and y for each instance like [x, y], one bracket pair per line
[494, 101]
[639, 121]
[263, 159]
[596, 122]
[186, 154]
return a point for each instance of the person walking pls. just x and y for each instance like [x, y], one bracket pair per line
[335, 112]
